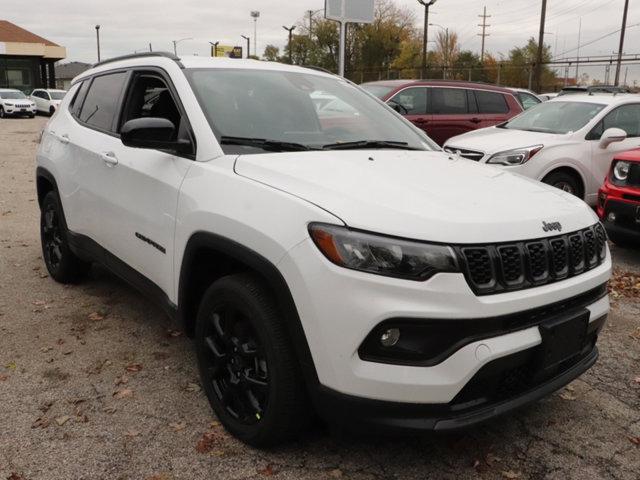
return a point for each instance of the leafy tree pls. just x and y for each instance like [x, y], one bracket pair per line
[271, 53]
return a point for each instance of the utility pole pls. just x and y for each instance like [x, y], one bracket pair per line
[98, 40]
[248, 39]
[543, 16]
[426, 4]
[578, 54]
[622, 33]
[290, 30]
[484, 33]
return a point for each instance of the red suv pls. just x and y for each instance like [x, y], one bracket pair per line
[619, 199]
[447, 108]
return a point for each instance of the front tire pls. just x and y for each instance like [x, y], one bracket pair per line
[248, 368]
[52, 110]
[566, 182]
[2, 113]
[63, 265]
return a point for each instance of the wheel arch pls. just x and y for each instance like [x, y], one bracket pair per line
[208, 257]
[45, 183]
[570, 170]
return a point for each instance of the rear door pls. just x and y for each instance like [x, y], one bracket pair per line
[453, 112]
[411, 102]
[493, 108]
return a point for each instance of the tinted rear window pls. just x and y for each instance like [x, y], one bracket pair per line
[101, 104]
[449, 101]
[491, 102]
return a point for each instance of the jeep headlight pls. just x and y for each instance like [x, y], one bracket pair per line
[8, 104]
[514, 157]
[621, 170]
[382, 255]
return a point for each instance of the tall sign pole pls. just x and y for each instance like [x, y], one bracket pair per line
[538, 72]
[343, 48]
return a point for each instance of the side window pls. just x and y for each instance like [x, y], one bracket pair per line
[36, 93]
[149, 96]
[626, 117]
[449, 101]
[491, 102]
[527, 100]
[81, 93]
[413, 100]
[101, 103]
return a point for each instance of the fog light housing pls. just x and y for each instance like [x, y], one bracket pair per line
[611, 217]
[390, 337]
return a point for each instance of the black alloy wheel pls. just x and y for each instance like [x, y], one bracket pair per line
[52, 240]
[247, 363]
[236, 365]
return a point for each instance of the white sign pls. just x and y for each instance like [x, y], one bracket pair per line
[349, 11]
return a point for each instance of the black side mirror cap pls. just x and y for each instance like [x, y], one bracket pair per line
[153, 133]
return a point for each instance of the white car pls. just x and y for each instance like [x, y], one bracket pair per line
[342, 264]
[526, 97]
[568, 142]
[47, 101]
[548, 96]
[15, 103]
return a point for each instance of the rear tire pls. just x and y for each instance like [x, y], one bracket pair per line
[566, 182]
[52, 110]
[248, 368]
[63, 265]
[2, 114]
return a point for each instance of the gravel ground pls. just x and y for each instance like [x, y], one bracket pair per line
[96, 383]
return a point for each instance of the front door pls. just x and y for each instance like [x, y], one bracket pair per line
[453, 113]
[412, 104]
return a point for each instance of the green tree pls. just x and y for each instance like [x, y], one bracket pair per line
[271, 53]
[519, 68]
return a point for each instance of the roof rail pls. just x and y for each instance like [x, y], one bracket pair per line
[140, 55]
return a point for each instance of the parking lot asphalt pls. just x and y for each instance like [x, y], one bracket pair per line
[96, 383]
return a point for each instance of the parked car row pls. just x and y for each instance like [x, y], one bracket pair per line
[15, 103]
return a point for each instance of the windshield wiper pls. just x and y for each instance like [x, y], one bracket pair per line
[361, 144]
[269, 145]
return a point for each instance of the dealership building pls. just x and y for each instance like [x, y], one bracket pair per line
[26, 59]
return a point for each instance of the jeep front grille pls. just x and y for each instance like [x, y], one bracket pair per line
[505, 267]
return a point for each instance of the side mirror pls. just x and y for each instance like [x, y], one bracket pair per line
[612, 135]
[152, 133]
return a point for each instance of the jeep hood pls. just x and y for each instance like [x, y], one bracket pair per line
[419, 195]
[493, 139]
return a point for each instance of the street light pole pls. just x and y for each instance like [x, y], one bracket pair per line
[215, 48]
[426, 4]
[290, 30]
[98, 40]
[255, 15]
[538, 72]
[248, 39]
[175, 44]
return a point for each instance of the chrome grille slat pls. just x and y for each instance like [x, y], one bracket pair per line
[465, 153]
[496, 268]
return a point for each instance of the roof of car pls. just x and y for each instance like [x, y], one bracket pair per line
[194, 62]
[445, 83]
[601, 98]
[9, 90]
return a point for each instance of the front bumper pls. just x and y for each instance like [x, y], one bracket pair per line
[19, 111]
[627, 218]
[338, 309]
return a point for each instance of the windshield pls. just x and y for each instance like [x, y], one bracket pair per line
[555, 117]
[379, 91]
[251, 111]
[57, 95]
[12, 95]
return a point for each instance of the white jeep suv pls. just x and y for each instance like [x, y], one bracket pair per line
[568, 142]
[337, 263]
[14, 102]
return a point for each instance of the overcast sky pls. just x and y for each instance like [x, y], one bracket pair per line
[129, 25]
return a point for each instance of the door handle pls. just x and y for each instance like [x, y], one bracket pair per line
[109, 158]
[64, 139]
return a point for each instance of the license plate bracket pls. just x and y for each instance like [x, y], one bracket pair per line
[563, 338]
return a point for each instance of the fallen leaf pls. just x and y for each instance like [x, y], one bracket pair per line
[3, 378]
[134, 367]
[40, 422]
[637, 380]
[95, 317]
[635, 440]
[46, 349]
[335, 473]
[192, 387]
[132, 433]
[123, 393]
[110, 410]
[15, 476]
[510, 474]
[160, 476]
[567, 396]
[177, 426]
[10, 366]
[121, 380]
[269, 471]
[62, 420]
[173, 333]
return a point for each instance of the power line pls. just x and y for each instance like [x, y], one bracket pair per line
[594, 41]
[484, 33]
